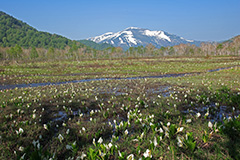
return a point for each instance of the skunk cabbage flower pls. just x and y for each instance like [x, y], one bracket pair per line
[147, 153]
[45, 126]
[21, 148]
[210, 125]
[179, 129]
[180, 141]
[130, 157]
[100, 140]
[60, 137]
[126, 132]
[198, 115]
[155, 141]
[188, 121]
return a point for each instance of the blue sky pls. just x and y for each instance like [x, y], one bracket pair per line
[206, 20]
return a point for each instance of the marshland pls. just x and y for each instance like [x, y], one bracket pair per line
[121, 109]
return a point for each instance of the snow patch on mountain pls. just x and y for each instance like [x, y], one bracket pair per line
[158, 34]
[121, 41]
[129, 37]
[103, 37]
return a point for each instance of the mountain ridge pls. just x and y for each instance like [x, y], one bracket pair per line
[134, 36]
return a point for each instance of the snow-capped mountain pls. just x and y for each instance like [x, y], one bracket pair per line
[133, 37]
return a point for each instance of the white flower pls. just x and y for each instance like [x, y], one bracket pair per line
[21, 148]
[210, 125]
[121, 124]
[155, 141]
[67, 132]
[206, 114]
[198, 115]
[168, 124]
[188, 121]
[23, 156]
[83, 155]
[160, 138]
[147, 153]
[83, 129]
[142, 135]
[20, 131]
[150, 141]
[165, 128]
[110, 145]
[45, 126]
[34, 116]
[179, 129]
[119, 153]
[81, 115]
[94, 142]
[161, 130]
[126, 132]
[100, 140]
[138, 98]
[130, 157]
[60, 137]
[74, 143]
[38, 145]
[135, 140]
[180, 141]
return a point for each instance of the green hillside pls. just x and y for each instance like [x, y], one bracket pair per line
[13, 31]
[95, 45]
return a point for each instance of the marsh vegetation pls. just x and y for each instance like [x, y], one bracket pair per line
[195, 116]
